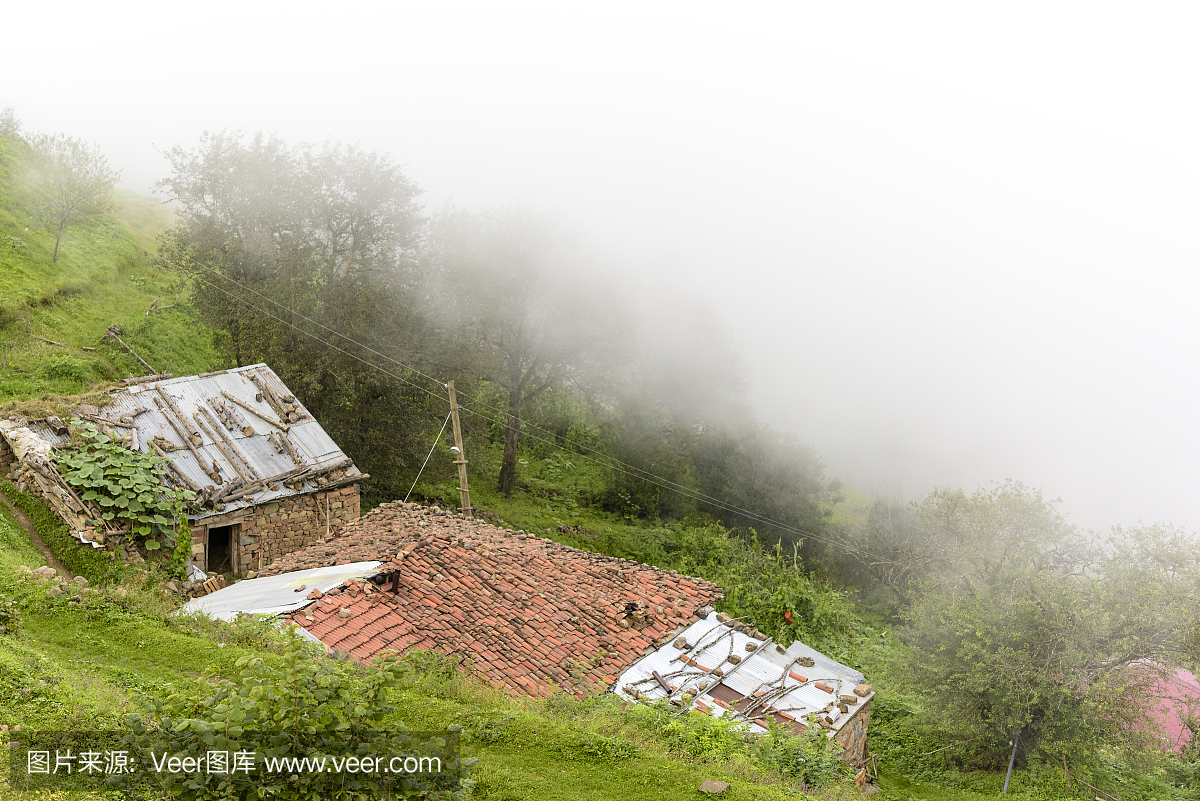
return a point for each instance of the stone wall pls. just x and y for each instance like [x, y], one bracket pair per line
[7, 457]
[853, 735]
[262, 534]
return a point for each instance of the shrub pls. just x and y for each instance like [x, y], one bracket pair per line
[810, 756]
[307, 707]
[126, 484]
[10, 619]
[61, 367]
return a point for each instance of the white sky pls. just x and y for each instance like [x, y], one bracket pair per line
[956, 242]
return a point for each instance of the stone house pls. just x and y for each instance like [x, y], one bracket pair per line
[268, 478]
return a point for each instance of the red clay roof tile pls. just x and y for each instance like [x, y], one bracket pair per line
[528, 613]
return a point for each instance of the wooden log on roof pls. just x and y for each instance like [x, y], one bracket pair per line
[193, 434]
[230, 417]
[316, 472]
[242, 493]
[268, 395]
[293, 454]
[221, 447]
[286, 406]
[145, 379]
[234, 488]
[187, 441]
[229, 443]
[255, 412]
[174, 468]
[129, 417]
[222, 417]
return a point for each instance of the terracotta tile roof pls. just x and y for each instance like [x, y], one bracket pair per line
[524, 613]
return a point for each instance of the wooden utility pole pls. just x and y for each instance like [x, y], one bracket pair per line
[461, 461]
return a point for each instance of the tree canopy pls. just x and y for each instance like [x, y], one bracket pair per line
[321, 261]
[1022, 624]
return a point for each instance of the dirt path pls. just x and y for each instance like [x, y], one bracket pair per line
[31, 530]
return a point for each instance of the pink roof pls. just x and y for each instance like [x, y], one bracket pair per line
[1177, 699]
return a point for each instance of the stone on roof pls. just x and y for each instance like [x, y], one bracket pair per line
[525, 613]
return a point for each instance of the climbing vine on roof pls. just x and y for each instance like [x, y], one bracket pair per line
[127, 485]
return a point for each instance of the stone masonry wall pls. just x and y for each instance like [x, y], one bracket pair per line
[285, 525]
[853, 735]
[7, 457]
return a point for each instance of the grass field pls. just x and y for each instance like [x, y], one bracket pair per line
[105, 275]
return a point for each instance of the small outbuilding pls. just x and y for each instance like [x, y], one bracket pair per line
[269, 480]
[723, 668]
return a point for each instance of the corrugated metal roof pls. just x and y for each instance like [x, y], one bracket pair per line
[191, 393]
[785, 689]
[276, 595]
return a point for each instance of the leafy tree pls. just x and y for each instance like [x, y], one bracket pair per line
[293, 248]
[10, 124]
[518, 291]
[1025, 625]
[71, 178]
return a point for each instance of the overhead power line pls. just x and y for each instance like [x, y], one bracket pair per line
[602, 459]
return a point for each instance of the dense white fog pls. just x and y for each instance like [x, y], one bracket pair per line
[953, 243]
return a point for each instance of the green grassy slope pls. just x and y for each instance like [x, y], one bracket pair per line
[105, 275]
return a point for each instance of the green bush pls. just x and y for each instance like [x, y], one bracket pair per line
[811, 756]
[127, 485]
[250, 631]
[61, 367]
[694, 736]
[307, 707]
[99, 567]
[25, 679]
[10, 619]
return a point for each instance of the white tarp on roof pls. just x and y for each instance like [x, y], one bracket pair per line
[276, 595]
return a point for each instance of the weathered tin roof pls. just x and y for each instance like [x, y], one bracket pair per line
[199, 396]
[756, 685]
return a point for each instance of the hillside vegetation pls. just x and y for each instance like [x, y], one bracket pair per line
[105, 275]
[979, 618]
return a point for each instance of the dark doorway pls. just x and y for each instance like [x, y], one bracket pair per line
[218, 549]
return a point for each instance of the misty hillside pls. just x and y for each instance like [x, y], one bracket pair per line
[995, 629]
[105, 275]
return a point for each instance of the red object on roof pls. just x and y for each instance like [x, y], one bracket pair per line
[524, 613]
